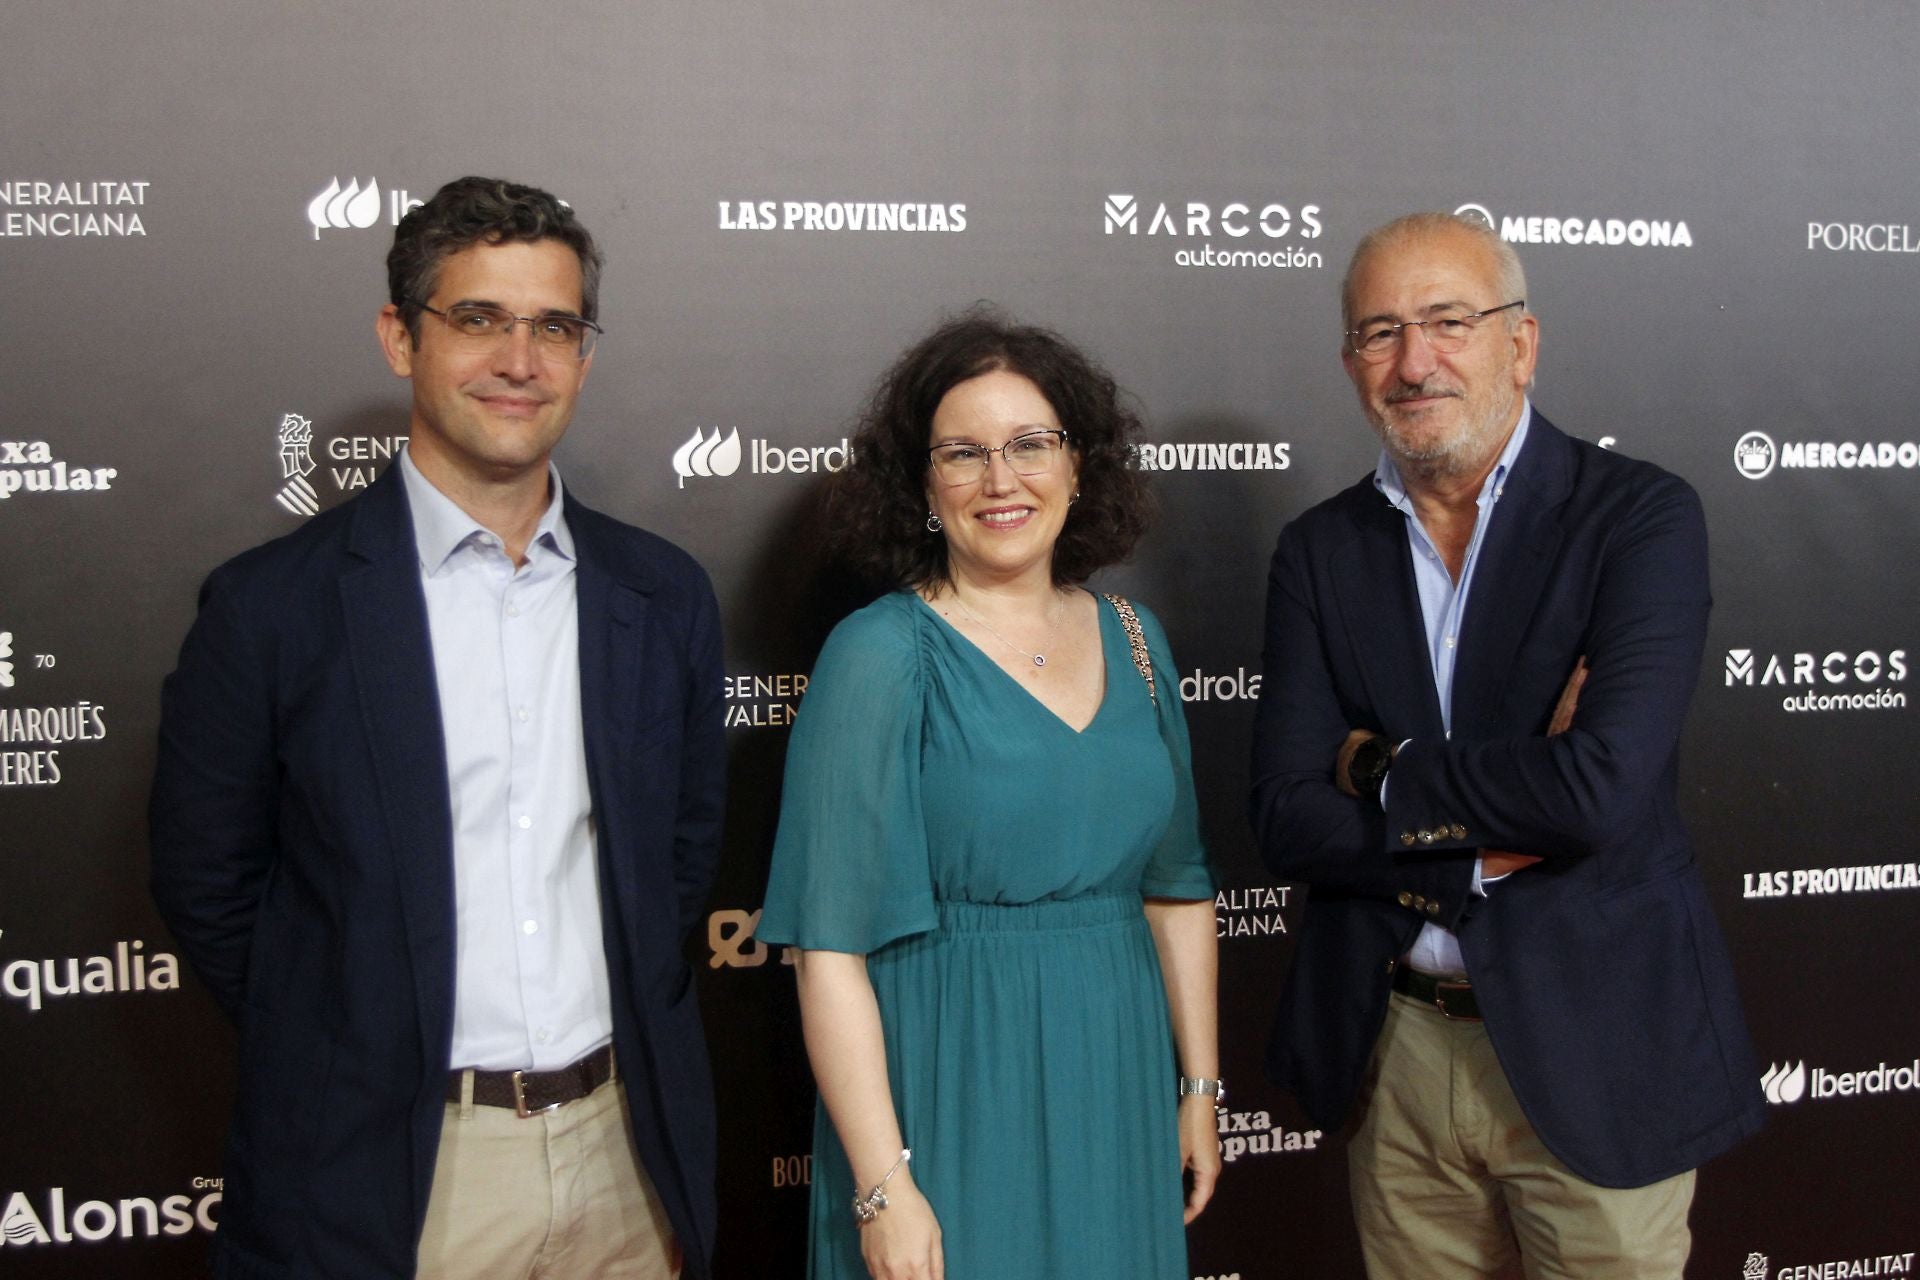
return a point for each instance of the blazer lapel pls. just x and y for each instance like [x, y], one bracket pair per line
[392, 655]
[1373, 578]
[611, 597]
[1511, 576]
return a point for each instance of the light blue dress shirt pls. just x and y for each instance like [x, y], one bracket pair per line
[1443, 608]
[530, 974]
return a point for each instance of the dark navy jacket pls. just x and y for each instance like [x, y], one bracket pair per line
[303, 855]
[1602, 975]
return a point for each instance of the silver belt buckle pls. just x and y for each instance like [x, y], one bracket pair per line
[520, 1100]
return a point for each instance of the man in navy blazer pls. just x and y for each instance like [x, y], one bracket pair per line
[1478, 662]
[438, 799]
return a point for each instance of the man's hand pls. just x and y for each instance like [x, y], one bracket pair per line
[1501, 862]
[1569, 699]
[1343, 760]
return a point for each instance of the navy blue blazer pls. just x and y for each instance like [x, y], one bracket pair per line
[303, 856]
[1602, 975]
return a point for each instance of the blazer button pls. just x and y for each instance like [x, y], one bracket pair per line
[1419, 902]
[1405, 899]
[1406, 837]
[1426, 837]
[1457, 831]
[1433, 909]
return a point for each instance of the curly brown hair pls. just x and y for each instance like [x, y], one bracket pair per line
[878, 503]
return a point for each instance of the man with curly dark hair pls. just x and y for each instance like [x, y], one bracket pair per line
[438, 798]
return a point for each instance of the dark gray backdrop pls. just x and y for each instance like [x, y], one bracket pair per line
[1775, 137]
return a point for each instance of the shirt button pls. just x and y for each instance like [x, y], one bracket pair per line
[541, 1035]
[525, 822]
[1449, 642]
[529, 926]
[513, 611]
[520, 714]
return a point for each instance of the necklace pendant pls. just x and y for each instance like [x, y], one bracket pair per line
[1039, 659]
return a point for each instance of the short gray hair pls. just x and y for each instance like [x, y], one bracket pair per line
[1510, 276]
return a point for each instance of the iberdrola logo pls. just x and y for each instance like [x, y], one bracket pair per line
[353, 206]
[704, 455]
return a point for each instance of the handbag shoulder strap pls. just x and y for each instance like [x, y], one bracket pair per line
[1136, 640]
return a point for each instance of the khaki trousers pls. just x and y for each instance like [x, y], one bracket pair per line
[1450, 1182]
[551, 1197]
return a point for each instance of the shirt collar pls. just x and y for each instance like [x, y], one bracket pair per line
[1386, 476]
[441, 528]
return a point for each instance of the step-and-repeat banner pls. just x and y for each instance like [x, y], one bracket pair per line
[1718, 209]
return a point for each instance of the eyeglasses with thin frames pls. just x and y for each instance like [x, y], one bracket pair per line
[1031, 454]
[556, 337]
[1446, 333]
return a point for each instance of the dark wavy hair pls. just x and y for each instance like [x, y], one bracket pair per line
[878, 504]
[470, 211]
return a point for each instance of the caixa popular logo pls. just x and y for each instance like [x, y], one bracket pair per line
[1253, 1133]
[354, 207]
[51, 1218]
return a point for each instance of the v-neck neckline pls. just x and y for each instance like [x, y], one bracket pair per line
[1106, 667]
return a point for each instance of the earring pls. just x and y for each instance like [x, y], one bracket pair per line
[1075, 498]
[934, 524]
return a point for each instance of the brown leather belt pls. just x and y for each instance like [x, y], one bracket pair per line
[531, 1092]
[1451, 996]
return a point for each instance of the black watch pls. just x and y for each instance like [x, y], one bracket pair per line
[1368, 767]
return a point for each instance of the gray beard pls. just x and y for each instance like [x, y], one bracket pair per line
[1463, 455]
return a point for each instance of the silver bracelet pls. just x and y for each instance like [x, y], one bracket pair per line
[865, 1207]
[1212, 1088]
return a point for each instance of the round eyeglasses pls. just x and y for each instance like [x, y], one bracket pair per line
[1446, 333]
[482, 328]
[1031, 454]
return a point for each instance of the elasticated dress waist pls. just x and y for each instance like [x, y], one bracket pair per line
[1048, 915]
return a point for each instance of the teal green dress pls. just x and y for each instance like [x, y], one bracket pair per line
[990, 863]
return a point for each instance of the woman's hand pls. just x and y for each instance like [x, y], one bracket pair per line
[903, 1240]
[1199, 1149]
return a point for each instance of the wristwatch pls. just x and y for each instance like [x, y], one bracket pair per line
[1367, 770]
[1214, 1089]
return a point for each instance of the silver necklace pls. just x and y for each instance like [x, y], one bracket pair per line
[1037, 659]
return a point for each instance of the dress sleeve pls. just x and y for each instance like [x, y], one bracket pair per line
[850, 864]
[1179, 867]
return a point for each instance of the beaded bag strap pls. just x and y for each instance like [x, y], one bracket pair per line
[1136, 640]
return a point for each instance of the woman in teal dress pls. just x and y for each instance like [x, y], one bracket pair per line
[989, 857]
